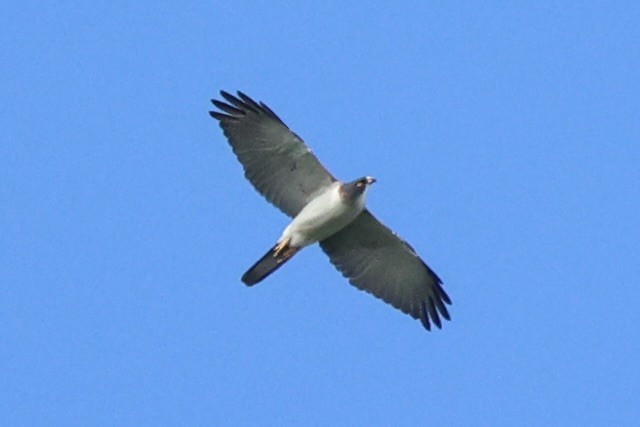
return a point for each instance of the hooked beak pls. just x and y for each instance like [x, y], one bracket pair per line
[370, 180]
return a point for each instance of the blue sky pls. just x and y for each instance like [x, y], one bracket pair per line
[505, 137]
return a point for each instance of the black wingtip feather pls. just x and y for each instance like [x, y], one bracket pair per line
[429, 313]
[443, 294]
[221, 117]
[229, 109]
[442, 308]
[226, 95]
[434, 313]
[248, 100]
[243, 102]
[425, 317]
[230, 98]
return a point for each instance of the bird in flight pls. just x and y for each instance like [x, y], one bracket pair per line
[325, 210]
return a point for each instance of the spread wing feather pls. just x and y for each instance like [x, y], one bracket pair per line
[376, 260]
[275, 160]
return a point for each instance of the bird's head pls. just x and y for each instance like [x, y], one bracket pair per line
[353, 189]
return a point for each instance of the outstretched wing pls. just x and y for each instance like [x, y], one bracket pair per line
[376, 260]
[275, 160]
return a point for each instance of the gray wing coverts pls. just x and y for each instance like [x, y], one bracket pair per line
[376, 260]
[275, 160]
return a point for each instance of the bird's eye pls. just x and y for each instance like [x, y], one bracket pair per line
[359, 184]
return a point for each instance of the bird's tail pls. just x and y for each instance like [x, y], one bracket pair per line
[269, 263]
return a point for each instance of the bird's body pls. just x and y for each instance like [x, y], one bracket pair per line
[326, 214]
[282, 168]
[323, 216]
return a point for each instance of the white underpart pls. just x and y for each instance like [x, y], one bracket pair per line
[322, 217]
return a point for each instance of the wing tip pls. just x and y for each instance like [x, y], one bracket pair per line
[240, 104]
[424, 318]
[430, 312]
[221, 117]
[442, 294]
[230, 98]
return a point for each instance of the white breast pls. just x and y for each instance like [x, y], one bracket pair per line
[322, 217]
